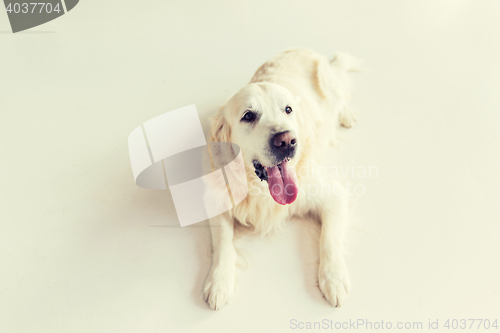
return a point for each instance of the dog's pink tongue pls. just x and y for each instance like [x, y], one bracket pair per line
[282, 183]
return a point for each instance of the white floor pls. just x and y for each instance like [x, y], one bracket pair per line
[83, 249]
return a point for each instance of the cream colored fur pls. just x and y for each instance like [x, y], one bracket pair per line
[317, 91]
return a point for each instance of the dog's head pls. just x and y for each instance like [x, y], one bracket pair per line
[261, 119]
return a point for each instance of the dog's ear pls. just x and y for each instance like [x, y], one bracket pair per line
[219, 128]
[220, 131]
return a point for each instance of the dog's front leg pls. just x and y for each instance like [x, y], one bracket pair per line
[333, 277]
[219, 286]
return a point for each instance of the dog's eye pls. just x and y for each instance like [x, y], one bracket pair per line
[248, 116]
[288, 110]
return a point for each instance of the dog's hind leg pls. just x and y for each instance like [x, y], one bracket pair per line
[341, 64]
[347, 117]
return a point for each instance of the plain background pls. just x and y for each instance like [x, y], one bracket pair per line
[83, 249]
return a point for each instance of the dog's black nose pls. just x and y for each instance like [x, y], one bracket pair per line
[284, 141]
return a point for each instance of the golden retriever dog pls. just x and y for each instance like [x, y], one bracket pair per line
[283, 121]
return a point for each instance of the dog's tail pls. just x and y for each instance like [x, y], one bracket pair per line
[345, 62]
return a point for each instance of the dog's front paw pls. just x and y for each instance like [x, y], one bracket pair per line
[219, 286]
[333, 281]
